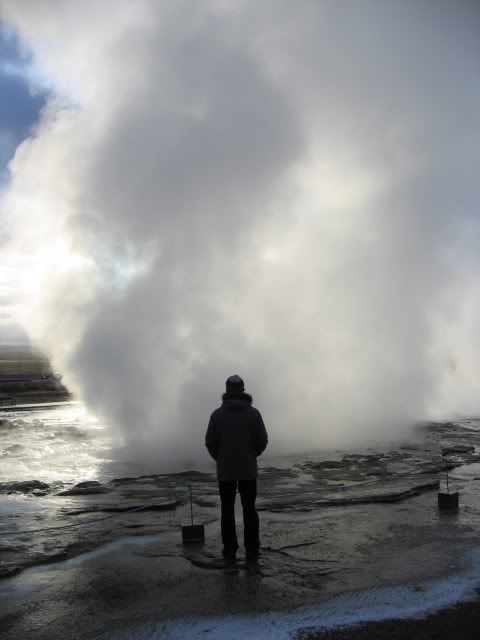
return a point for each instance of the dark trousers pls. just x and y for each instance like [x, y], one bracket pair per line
[248, 494]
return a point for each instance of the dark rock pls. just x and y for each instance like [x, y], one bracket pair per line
[88, 483]
[201, 502]
[25, 486]
[85, 488]
[387, 497]
[378, 471]
[83, 492]
[458, 448]
[438, 468]
[329, 464]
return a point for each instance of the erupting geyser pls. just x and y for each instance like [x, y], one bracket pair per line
[287, 193]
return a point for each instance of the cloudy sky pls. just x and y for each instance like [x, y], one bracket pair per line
[20, 106]
[287, 191]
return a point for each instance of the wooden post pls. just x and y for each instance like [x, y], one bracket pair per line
[192, 532]
[191, 502]
[447, 501]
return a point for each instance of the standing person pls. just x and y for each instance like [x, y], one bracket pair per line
[235, 437]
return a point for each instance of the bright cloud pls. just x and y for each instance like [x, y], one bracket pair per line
[287, 191]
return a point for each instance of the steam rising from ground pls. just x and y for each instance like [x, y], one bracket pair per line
[284, 190]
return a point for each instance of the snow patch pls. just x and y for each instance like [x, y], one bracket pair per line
[374, 605]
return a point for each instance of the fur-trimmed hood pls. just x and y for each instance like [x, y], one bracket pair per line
[235, 437]
[237, 401]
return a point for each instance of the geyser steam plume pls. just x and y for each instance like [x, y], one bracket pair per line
[284, 190]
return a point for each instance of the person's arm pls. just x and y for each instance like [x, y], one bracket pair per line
[211, 438]
[261, 437]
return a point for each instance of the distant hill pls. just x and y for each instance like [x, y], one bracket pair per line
[26, 376]
[21, 360]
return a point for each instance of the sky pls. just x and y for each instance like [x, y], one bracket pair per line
[287, 191]
[20, 106]
[20, 103]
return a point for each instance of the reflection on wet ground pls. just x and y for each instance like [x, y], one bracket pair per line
[306, 504]
[329, 523]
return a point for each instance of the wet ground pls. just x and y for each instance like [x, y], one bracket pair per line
[346, 522]
[139, 583]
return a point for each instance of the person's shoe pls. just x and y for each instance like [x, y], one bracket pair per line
[229, 556]
[253, 557]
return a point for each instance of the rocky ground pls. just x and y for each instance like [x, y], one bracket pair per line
[348, 524]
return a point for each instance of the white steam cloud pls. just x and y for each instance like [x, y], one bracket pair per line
[288, 191]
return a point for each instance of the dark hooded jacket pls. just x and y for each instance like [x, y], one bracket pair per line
[235, 437]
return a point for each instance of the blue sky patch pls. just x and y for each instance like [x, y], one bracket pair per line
[19, 106]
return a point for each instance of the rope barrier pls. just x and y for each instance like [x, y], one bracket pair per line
[81, 524]
[267, 495]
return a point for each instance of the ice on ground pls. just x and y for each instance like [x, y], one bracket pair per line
[373, 605]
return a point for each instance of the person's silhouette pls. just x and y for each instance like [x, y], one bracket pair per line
[235, 437]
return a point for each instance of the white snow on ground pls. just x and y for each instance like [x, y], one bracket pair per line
[409, 601]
